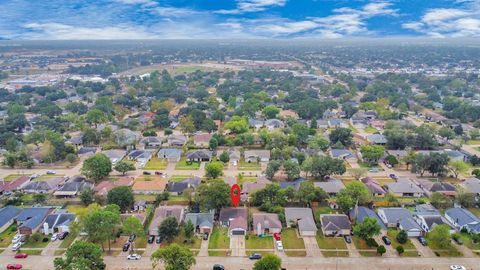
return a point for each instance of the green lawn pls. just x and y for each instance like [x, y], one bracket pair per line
[183, 165]
[296, 253]
[450, 251]
[246, 179]
[145, 197]
[256, 242]
[219, 239]
[317, 211]
[392, 234]
[245, 166]
[473, 142]
[290, 239]
[181, 198]
[36, 244]
[31, 251]
[47, 177]
[475, 211]
[76, 209]
[334, 253]
[467, 241]
[156, 164]
[370, 130]
[330, 242]
[178, 178]
[361, 244]
[7, 236]
[12, 177]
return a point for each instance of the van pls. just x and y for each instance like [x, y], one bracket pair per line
[16, 246]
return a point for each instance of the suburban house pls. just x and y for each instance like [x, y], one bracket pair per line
[444, 188]
[335, 224]
[471, 185]
[429, 219]
[234, 156]
[401, 218]
[322, 123]
[303, 218]
[199, 155]
[405, 188]
[257, 156]
[104, 187]
[236, 219]
[57, 223]
[272, 124]
[177, 188]
[249, 187]
[115, 155]
[399, 154]
[177, 140]
[43, 186]
[374, 187]
[254, 123]
[152, 142]
[31, 219]
[358, 214]
[7, 216]
[163, 212]
[126, 137]
[336, 123]
[202, 139]
[170, 154]
[377, 139]
[295, 184]
[202, 222]
[155, 185]
[331, 186]
[342, 154]
[73, 186]
[140, 156]
[461, 218]
[266, 223]
[86, 151]
[14, 185]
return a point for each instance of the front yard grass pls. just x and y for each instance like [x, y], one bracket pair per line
[246, 166]
[184, 165]
[335, 253]
[330, 242]
[156, 164]
[44, 177]
[290, 239]
[178, 178]
[12, 177]
[370, 130]
[219, 239]
[68, 240]
[361, 244]
[296, 253]
[450, 251]
[467, 240]
[7, 236]
[392, 234]
[30, 243]
[257, 242]
[30, 251]
[246, 179]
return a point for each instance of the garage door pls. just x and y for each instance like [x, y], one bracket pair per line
[238, 232]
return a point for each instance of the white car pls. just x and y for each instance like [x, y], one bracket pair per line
[17, 238]
[134, 257]
[51, 172]
[279, 246]
[457, 267]
[16, 246]
[54, 237]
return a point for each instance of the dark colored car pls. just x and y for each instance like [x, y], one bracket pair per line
[457, 240]
[126, 246]
[205, 236]
[132, 238]
[422, 240]
[386, 240]
[62, 235]
[347, 238]
[255, 256]
[147, 173]
[218, 267]
[393, 176]
[158, 240]
[151, 239]
[158, 173]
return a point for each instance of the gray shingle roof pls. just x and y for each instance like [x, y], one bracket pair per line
[200, 219]
[7, 213]
[304, 217]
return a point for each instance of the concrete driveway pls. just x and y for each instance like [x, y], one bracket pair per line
[203, 248]
[237, 245]
[311, 246]
[422, 250]
[391, 252]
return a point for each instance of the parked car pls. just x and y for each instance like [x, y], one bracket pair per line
[134, 257]
[54, 237]
[277, 236]
[457, 267]
[158, 240]
[51, 172]
[386, 240]
[21, 255]
[62, 235]
[16, 246]
[218, 267]
[255, 256]
[347, 238]
[147, 173]
[205, 236]
[279, 246]
[132, 238]
[14, 266]
[151, 239]
[158, 173]
[126, 247]
[457, 239]
[393, 176]
[17, 238]
[373, 170]
[422, 240]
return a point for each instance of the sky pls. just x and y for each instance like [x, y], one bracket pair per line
[236, 19]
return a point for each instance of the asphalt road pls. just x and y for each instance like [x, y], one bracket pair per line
[290, 263]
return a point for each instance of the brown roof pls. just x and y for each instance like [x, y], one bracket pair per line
[202, 138]
[267, 220]
[105, 186]
[156, 184]
[14, 184]
[163, 212]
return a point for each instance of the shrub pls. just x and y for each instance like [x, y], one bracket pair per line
[371, 242]
[402, 237]
[400, 250]
[381, 250]
[45, 239]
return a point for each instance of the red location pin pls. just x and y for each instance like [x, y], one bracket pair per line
[235, 197]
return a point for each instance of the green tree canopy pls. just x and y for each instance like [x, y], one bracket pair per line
[97, 167]
[174, 257]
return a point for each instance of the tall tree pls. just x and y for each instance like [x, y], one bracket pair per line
[81, 256]
[174, 257]
[124, 167]
[367, 229]
[168, 229]
[268, 262]
[97, 167]
[213, 195]
[121, 196]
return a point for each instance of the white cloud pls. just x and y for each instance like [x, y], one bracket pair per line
[174, 11]
[137, 2]
[449, 22]
[244, 6]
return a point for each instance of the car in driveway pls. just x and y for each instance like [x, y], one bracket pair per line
[16, 246]
[205, 236]
[277, 236]
[457, 239]
[21, 255]
[386, 240]
[62, 235]
[347, 238]
[147, 173]
[158, 240]
[422, 240]
[279, 245]
[126, 247]
[51, 172]
[457, 267]
[134, 257]
[54, 237]
[14, 266]
[255, 256]
[151, 239]
[132, 238]
[218, 267]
